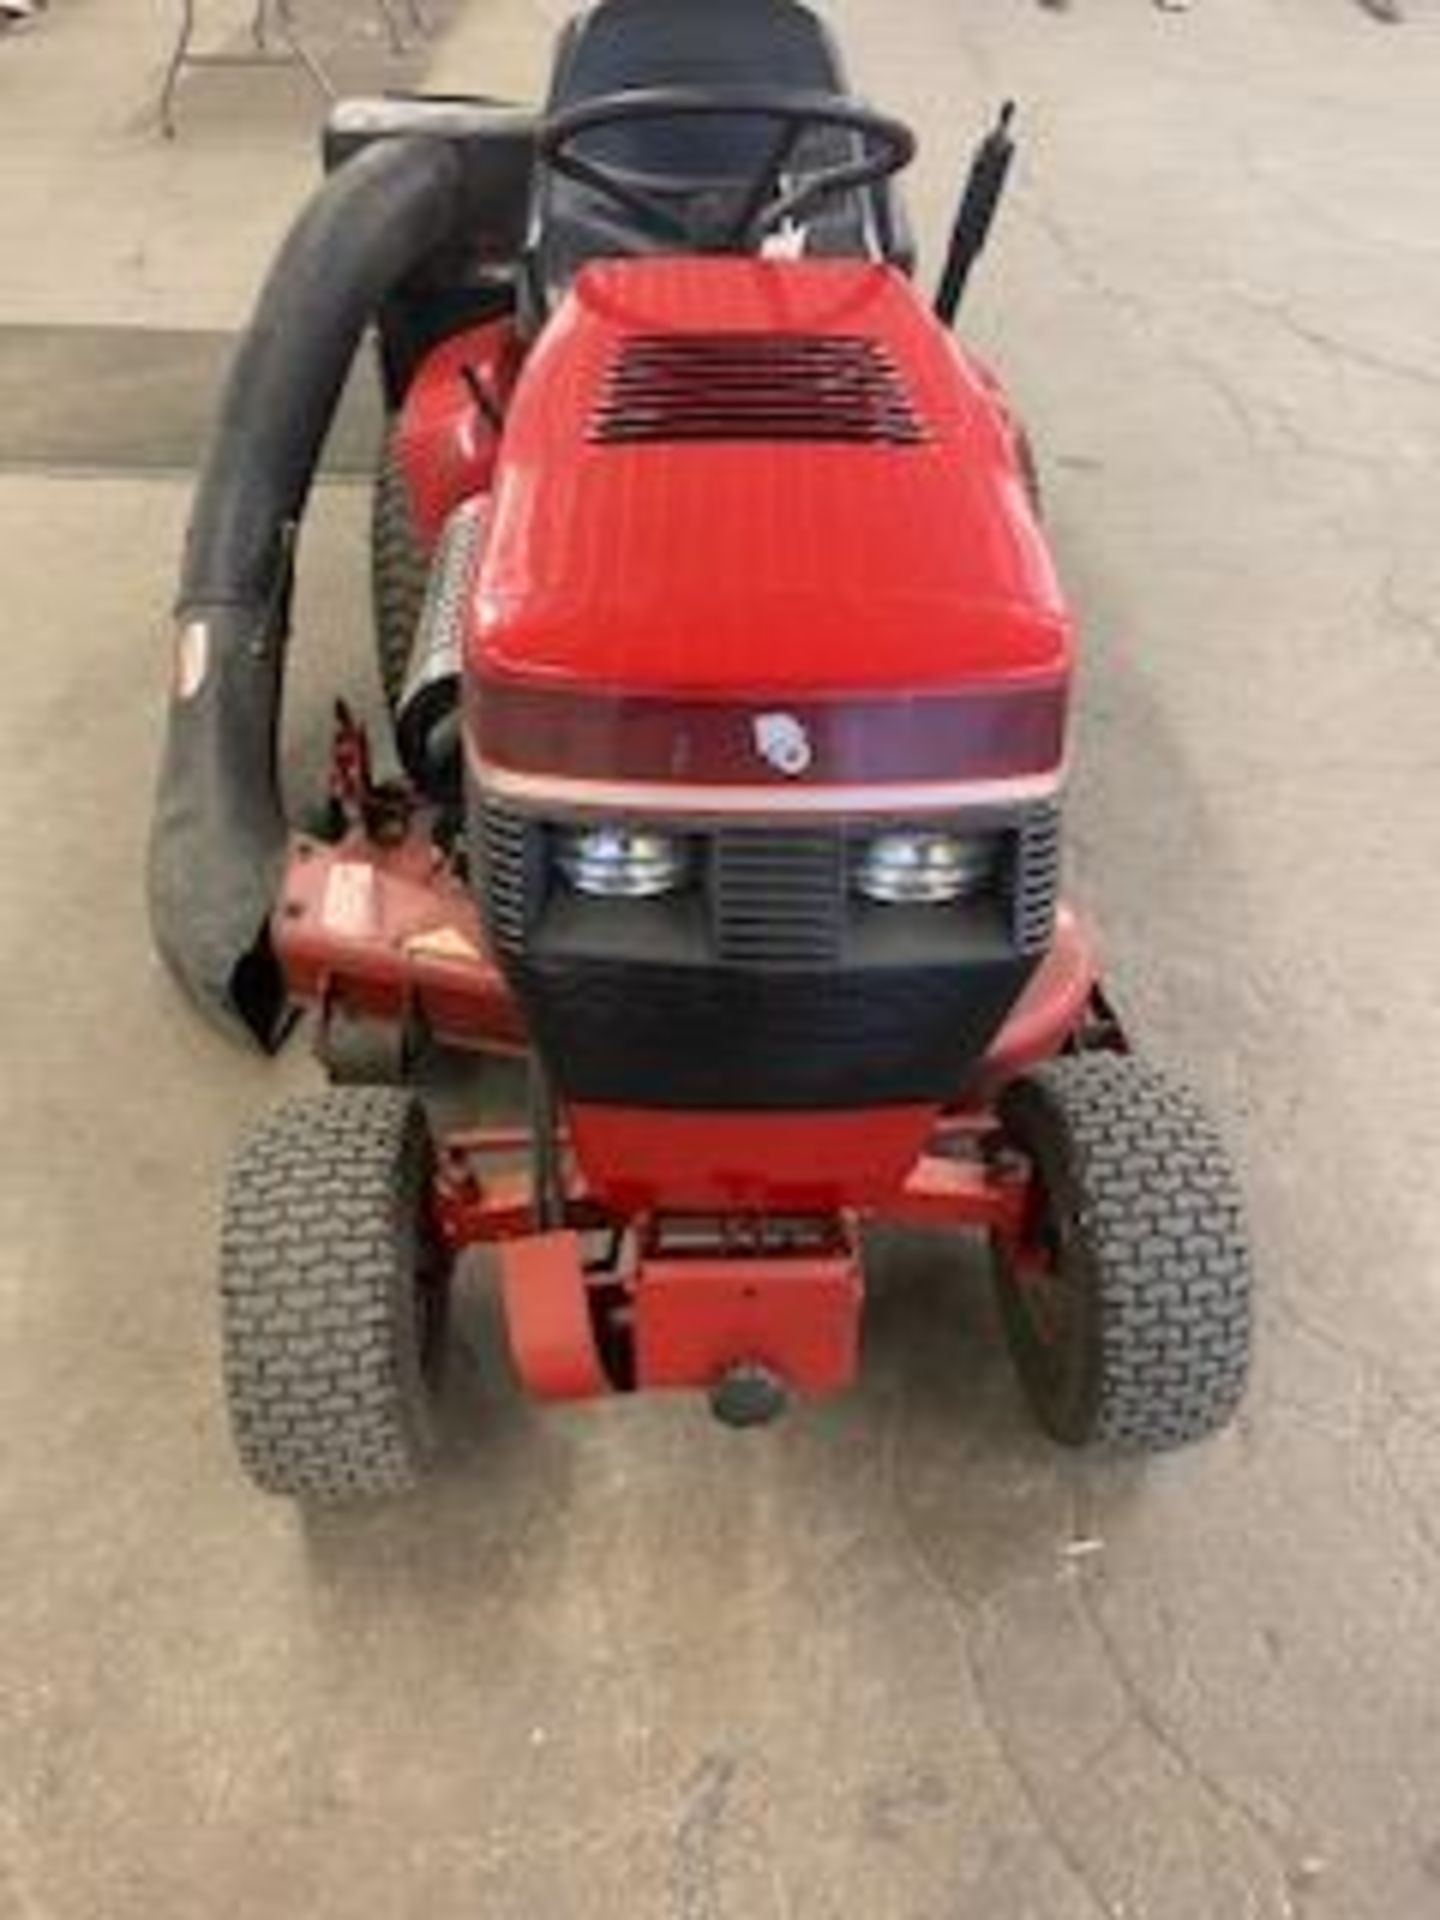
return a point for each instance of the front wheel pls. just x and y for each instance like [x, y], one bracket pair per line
[333, 1296]
[1127, 1305]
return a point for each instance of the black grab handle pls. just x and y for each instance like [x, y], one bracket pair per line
[989, 170]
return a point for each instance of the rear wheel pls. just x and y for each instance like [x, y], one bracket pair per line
[1128, 1307]
[400, 571]
[333, 1296]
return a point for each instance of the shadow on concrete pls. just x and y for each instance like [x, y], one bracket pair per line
[137, 400]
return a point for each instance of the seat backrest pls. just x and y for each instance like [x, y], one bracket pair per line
[621, 45]
[654, 43]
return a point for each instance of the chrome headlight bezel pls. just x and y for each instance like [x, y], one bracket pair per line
[925, 866]
[623, 860]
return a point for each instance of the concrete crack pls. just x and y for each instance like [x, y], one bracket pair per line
[1271, 1836]
[1371, 1365]
[1143, 317]
[1245, 410]
[1317, 209]
[954, 1615]
[1395, 612]
[1334, 348]
[1426, 1534]
[694, 1879]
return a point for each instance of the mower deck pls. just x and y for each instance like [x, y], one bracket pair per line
[385, 930]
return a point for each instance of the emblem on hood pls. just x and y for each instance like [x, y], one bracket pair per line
[782, 742]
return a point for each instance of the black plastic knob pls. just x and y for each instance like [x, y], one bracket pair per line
[748, 1395]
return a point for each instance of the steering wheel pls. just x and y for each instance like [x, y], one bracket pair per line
[753, 209]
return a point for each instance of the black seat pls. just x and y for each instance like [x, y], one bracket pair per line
[693, 43]
[621, 45]
[624, 44]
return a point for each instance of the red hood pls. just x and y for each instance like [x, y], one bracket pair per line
[706, 568]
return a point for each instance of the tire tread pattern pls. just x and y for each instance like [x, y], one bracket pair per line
[320, 1338]
[1161, 1240]
[400, 573]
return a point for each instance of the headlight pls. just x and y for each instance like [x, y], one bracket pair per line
[917, 867]
[622, 863]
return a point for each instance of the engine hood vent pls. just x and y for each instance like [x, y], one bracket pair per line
[755, 386]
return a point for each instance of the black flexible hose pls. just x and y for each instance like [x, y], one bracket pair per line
[218, 835]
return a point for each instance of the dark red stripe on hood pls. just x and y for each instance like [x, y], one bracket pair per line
[992, 734]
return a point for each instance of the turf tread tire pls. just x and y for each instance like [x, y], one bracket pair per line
[399, 573]
[327, 1376]
[1158, 1248]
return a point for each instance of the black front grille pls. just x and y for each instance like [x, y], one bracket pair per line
[1035, 886]
[716, 1038]
[777, 899]
[509, 858]
[766, 984]
[755, 386]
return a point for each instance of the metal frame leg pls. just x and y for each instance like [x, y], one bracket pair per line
[289, 34]
[268, 14]
[390, 13]
[392, 25]
[414, 14]
[178, 60]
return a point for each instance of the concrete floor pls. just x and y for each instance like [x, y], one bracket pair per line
[616, 1662]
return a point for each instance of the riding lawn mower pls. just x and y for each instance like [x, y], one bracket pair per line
[728, 680]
